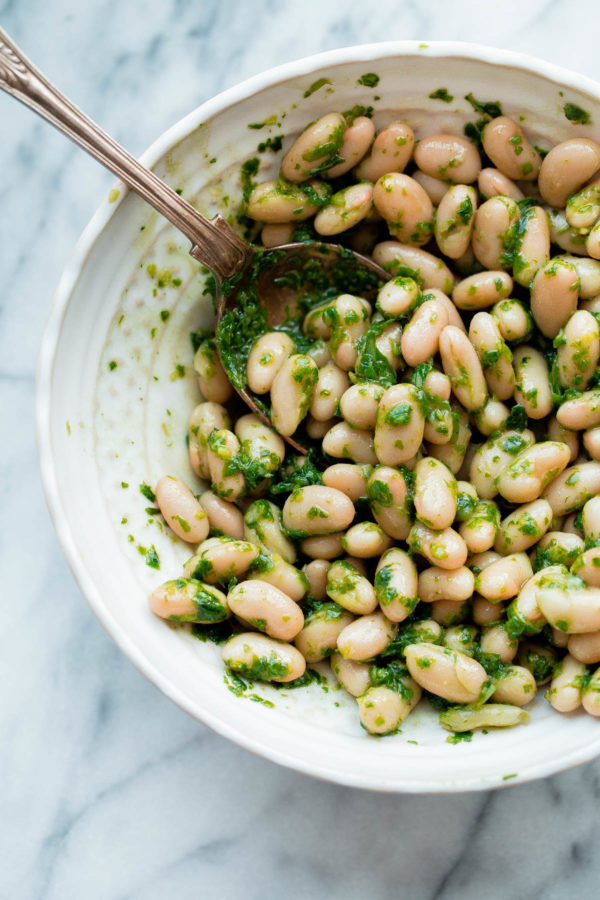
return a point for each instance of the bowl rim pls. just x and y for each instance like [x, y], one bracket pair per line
[47, 358]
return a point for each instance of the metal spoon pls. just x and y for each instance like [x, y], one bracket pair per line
[214, 243]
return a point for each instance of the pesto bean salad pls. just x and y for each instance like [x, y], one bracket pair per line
[441, 538]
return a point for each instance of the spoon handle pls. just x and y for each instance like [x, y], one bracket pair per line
[214, 243]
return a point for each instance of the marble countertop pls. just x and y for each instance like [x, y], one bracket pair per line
[107, 790]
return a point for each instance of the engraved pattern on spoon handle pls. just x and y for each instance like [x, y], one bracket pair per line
[214, 242]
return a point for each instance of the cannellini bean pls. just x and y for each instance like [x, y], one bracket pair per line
[316, 150]
[221, 559]
[517, 686]
[461, 365]
[353, 676]
[454, 317]
[398, 296]
[493, 417]
[355, 144]
[524, 611]
[366, 637]
[317, 430]
[480, 529]
[461, 638]
[448, 157]
[514, 321]
[482, 290]
[539, 659]
[524, 479]
[563, 235]
[491, 715]
[590, 518]
[570, 490]
[496, 640]
[592, 241]
[346, 208]
[266, 608]
[565, 690]
[280, 202]
[319, 635]
[434, 272]
[275, 234]
[444, 548]
[389, 497]
[566, 168]
[365, 540]
[223, 517]
[316, 510]
[350, 325]
[344, 442]
[587, 566]
[492, 182]
[259, 657]
[554, 294]
[494, 355]
[292, 392]
[223, 447]
[399, 426]
[508, 148]
[581, 412]
[437, 384]
[325, 546]
[351, 590]
[358, 405]
[396, 585]
[585, 647]
[435, 188]
[189, 600]
[454, 220]
[181, 511]
[319, 353]
[204, 419]
[503, 579]
[331, 384]
[583, 208]
[490, 231]
[453, 453]
[260, 443]
[532, 244]
[421, 335]
[315, 573]
[486, 613]
[557, 548]
[450, 612]
[349, 478]
[568, 604]
[443, 584]
[345, 310]
[388, 344]
[532, 388]
[212, 379]
[275, 570]
[523, 527]
[405, 206]
[391, 151]
[588, 272]
[591, 695]
[493, 456]
[446, 673]
[263, 527]
[265, 359]
[591, 442]
[556, 432]
[479, 561]
[382, 709]
[466, 500]
[435, 493]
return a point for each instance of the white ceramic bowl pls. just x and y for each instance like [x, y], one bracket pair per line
[101, 426]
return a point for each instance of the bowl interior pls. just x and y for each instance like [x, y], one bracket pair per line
[116, 388]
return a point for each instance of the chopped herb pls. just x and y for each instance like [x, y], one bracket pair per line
[369, 79]
[112, 365]
[441, 94]
[576, 114]
[491, 109]
[152, 558]
[147, 492]
[319, 83]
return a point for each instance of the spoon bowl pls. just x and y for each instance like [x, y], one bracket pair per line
[284, 281]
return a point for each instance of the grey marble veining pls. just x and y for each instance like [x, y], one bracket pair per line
[107, 790]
